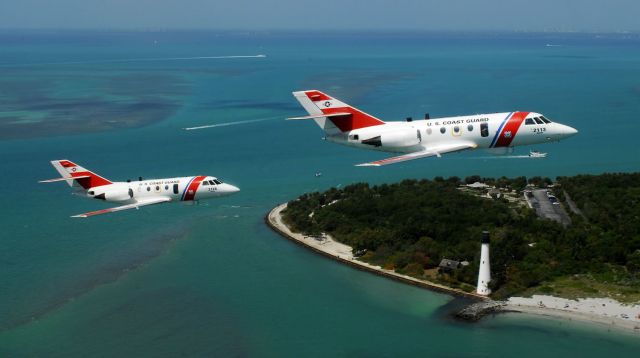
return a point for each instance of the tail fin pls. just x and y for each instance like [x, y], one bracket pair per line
[342, 117]
[78, 177]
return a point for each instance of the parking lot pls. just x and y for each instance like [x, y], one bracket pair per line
[547, 206]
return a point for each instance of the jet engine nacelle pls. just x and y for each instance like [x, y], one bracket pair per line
[112, 192]
[395, 139]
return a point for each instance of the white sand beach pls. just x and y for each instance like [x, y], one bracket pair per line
[329, 247]
[596, 310]
[602, 311]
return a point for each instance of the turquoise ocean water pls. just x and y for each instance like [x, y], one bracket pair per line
[212, 279]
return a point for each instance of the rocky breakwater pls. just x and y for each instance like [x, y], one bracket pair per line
[476, 311]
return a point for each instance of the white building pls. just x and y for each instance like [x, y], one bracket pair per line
[484, 272]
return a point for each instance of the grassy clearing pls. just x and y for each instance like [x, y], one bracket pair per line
[583, 286]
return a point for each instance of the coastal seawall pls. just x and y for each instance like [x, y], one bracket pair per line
[337, 251]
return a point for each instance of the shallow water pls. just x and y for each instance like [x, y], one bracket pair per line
[212, 279]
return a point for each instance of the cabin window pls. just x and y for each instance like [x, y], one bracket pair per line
[529, 121]
[148, 188]
[456, 130]
[470, 127]
[484, 129]
[443, 130]
[205, 183]
[157, 187]
[166, 187]
[538, 120]
[175, 188]
[545, 120]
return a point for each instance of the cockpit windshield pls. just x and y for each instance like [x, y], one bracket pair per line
[536, 120]
[214, 182]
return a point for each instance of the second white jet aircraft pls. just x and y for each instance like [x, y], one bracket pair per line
[137, 193]
[347, 125]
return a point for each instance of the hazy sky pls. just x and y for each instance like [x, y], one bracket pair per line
[528, 15]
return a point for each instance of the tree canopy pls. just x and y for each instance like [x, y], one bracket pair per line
[410, 226]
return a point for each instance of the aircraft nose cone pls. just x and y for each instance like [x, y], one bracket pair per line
[569, 131]
[231, 189]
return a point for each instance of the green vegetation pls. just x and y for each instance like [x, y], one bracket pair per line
[412, 225]
[586, 285]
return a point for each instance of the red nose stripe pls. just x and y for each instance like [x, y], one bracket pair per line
[193, 188]
[510, 129]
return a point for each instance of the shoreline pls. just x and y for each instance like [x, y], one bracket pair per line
[342, 253]
[599, 311]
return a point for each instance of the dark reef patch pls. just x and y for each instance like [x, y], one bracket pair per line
[94, 277]
[360, 83]
[67, 103]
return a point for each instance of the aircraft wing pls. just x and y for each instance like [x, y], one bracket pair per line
[135, 205]
[428, 152]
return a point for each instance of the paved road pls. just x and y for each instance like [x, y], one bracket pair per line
[546, 209]
[572, 205]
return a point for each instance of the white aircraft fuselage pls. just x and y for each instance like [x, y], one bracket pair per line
[407, 137]
[177, 189]
[499, 132]
[134, 194]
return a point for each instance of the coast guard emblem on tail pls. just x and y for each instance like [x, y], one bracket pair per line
[76, 176]
[333, 115]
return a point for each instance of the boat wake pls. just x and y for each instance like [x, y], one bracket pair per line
[231, 123]
[134, 60]
[505, 157]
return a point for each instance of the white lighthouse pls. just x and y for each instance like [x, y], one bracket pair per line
[484, 273]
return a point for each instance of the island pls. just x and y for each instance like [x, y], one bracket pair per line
[568, 247]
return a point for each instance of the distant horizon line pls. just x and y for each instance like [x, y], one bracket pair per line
[298, 30]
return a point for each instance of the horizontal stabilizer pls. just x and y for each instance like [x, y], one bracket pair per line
[124, 207]
[78, 176]
[340, 114]
[61, 179]
[429, 152]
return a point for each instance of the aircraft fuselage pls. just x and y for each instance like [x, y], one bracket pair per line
[496, 130]
[177, 189]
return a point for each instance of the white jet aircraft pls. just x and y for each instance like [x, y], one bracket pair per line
[135, 194]
[350, 126]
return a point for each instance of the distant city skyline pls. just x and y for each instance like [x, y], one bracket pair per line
[453, 15]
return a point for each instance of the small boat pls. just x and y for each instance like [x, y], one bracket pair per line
[318, 174]
[536, 154]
